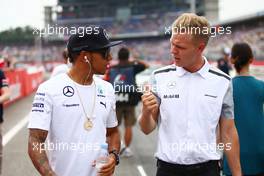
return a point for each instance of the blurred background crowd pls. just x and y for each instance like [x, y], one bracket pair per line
[142, 25]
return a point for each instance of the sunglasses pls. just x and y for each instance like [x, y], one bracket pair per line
[105, 53]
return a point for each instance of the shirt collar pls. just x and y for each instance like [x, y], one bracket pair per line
[180, 71]
[205, 68]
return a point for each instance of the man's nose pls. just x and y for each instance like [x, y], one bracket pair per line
[174, 50]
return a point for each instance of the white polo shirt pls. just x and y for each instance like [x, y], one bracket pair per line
[57, 109]
[190, 107]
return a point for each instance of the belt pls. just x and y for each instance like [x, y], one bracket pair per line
[171, 166]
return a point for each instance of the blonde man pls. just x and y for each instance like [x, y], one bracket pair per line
[188, 101]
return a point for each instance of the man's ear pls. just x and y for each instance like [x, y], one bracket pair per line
[201, 47]
[85, 56]
[251, 60]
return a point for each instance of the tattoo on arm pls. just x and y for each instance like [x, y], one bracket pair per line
[37, 153]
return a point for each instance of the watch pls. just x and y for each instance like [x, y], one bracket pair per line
[115, 153]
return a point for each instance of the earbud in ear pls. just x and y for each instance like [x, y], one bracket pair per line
[85, 58]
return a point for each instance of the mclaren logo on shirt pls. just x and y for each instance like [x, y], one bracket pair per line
[171, 96]
[68, 91]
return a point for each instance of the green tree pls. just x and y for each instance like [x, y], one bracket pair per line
[17, 36]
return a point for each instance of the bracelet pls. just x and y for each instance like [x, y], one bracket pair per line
[115, 153]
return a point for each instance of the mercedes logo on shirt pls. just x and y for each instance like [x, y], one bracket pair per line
[171, 85]
[68, 91]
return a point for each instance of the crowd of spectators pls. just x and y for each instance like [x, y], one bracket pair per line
[150, 49]
[135, 24]
[253, 35]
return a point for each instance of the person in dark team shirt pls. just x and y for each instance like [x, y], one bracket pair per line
[4, 96]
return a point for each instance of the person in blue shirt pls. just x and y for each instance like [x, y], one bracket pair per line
[248, 95]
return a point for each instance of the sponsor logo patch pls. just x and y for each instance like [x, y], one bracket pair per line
[38, 105]
[213, 96]
[172, 96]
[70, 105]
[41, 94]
[37, 110]
[68, 91]
[38, 99]
[104, 104]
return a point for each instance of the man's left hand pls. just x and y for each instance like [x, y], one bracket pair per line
[109, 168]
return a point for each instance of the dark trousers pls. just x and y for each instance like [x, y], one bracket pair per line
[250, 175]
[210, 168]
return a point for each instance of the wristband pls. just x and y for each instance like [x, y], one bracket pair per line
[114, 152]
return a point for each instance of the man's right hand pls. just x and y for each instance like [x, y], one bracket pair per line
[150, 111]
[150, 102]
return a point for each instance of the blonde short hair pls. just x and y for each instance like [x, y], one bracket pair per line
[191, 23]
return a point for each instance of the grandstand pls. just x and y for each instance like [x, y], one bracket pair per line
[141, 25]
[123, 16]
[244, 29]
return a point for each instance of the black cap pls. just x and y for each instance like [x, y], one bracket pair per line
[92, 39]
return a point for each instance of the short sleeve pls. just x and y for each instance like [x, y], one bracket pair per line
[41, 112]
[228, 103]
[111, 119]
